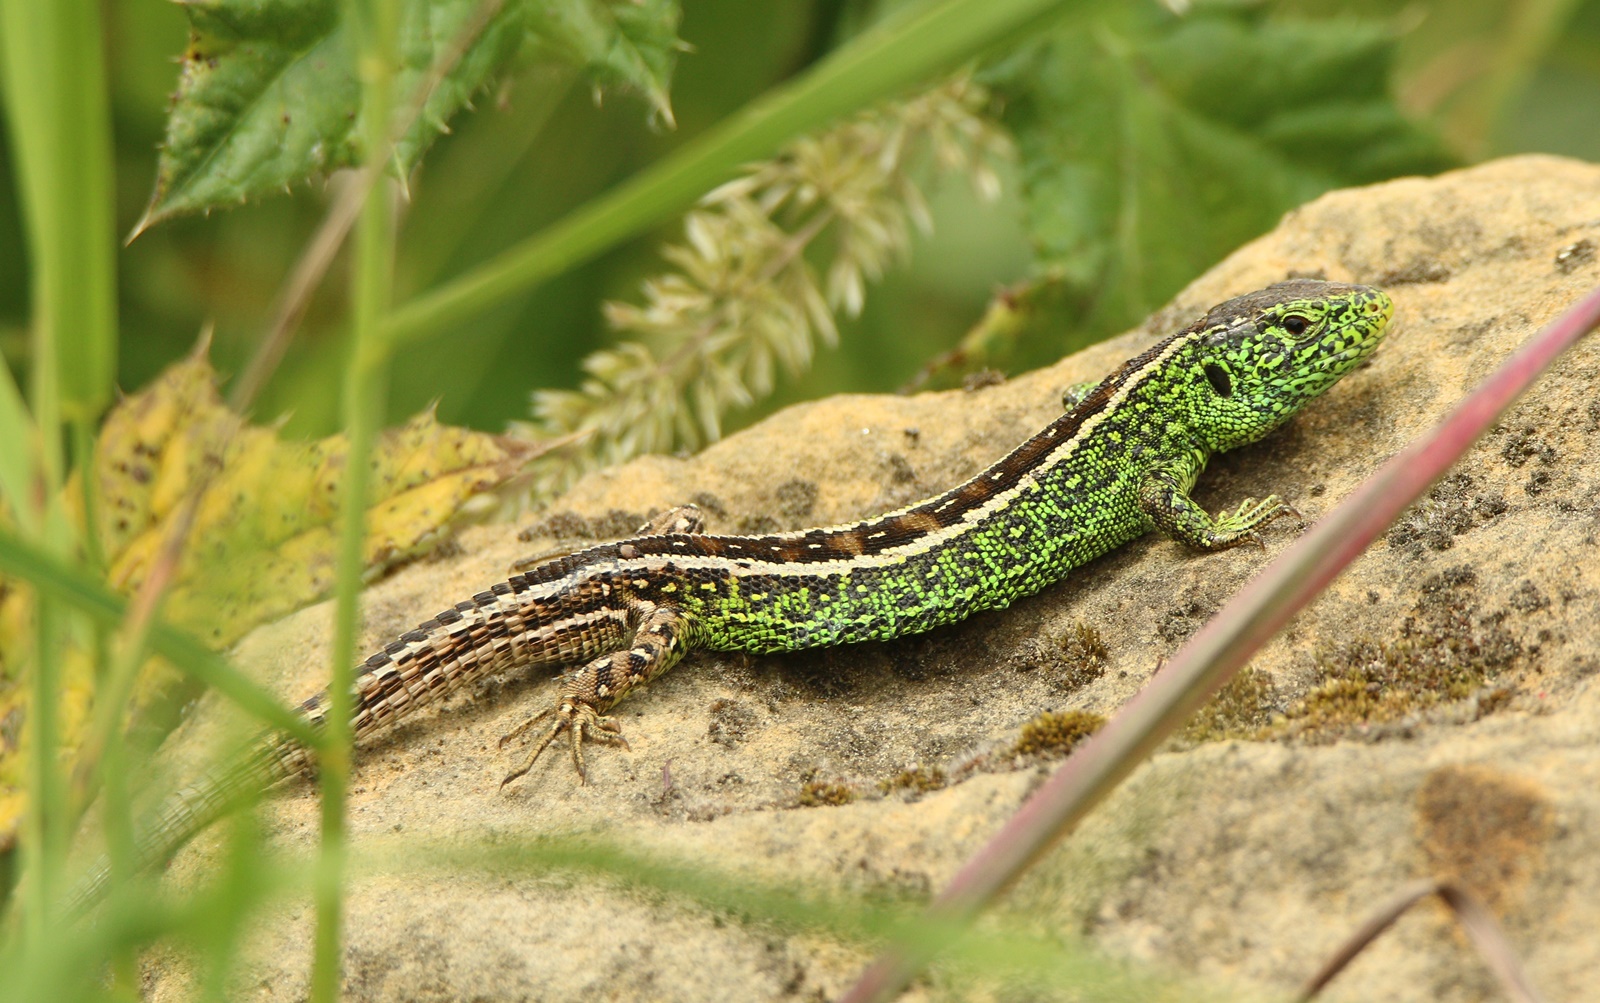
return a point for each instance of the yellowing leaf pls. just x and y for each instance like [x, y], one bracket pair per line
[262, 540]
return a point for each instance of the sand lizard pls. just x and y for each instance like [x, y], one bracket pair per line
[1117, 464]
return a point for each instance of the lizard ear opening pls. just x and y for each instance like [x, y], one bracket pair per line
[1219, 379]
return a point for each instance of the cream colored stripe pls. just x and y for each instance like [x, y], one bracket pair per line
[921, 544]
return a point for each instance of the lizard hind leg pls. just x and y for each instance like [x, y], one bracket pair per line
[658, 643]
[576, 718]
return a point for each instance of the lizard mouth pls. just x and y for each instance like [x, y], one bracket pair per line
[1345, 358]
[1371, 333]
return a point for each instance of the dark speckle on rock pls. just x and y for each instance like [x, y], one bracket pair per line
[1426, 270]
[1575, 255]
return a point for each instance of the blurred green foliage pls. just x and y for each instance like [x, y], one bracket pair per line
[1153, 145]
[1487, 76]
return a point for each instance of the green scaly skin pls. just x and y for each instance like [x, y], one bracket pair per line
[1119, 463]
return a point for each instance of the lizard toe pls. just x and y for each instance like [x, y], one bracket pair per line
[580, 721]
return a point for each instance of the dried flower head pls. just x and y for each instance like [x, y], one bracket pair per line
[746, 298]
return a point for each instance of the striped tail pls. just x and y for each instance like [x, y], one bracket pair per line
[184, 815]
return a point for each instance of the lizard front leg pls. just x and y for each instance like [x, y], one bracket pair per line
[1075, 393]
[1164, 497]
[662, 634]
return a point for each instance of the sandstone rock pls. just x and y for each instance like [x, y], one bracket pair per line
[1436, 711]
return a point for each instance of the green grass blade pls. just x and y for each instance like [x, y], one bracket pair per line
[899, 53]
[61, 139]
[787, 907]
[365, 386]
[17, 459]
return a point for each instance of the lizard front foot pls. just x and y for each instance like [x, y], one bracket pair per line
[577, 718]
[1240, 526]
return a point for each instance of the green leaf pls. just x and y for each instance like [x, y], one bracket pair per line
[620, 43]
[269, 95]
[1154, 145]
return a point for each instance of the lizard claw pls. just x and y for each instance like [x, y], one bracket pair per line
[523, 728]
[574, 717]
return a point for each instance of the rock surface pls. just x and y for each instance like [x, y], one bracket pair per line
[1435, 712]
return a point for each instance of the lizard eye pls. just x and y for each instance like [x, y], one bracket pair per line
[1295, 324]
[1219, 379]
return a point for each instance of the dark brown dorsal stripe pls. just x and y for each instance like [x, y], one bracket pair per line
[877, 535]
[888, 532]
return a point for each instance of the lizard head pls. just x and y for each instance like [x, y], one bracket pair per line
[1258, 359]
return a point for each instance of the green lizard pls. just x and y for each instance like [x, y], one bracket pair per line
[1119, 463]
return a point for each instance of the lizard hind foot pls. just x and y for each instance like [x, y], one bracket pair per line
[579, 720]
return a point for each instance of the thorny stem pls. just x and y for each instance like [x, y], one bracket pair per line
[330, 236]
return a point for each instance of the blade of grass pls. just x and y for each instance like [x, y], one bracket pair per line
[787, 906]
[1224, 644]
[61, 139]
[19, 459]
[44, 842]
[318, 256]
[896, 54]
[365, 385]
[55, 106]
[71, 966]
[105, 756]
